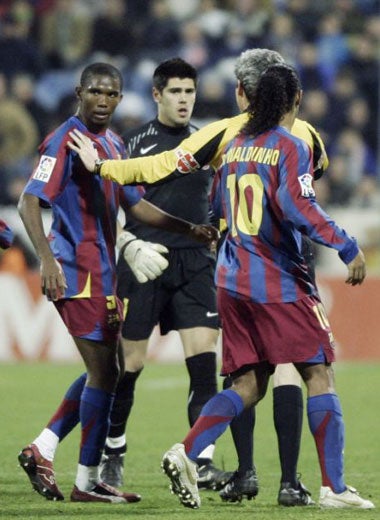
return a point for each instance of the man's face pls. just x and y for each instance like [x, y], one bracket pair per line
[98, 99]
[176, 101]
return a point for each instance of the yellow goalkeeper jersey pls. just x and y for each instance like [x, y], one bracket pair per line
[204, 147]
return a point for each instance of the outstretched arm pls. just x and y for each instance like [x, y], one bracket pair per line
[146, 259]
[151, 215]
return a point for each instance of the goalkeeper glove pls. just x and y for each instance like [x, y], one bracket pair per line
[143, 258]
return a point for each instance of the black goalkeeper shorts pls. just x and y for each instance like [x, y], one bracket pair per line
[183, 297]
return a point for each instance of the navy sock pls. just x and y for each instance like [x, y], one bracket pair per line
[94, 412]
[327, 426]
[67, 415]
[215, 417]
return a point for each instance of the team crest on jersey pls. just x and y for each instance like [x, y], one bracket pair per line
[45, 168]
[306, 182]
[186, 162]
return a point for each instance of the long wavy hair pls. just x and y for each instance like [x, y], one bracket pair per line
[272, 99]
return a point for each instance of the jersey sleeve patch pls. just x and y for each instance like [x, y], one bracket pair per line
[45, 168]
[306, 183]
[186, 163]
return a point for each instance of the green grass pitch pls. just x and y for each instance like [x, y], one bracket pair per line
[31, 392]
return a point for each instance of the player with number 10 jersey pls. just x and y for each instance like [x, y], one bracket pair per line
[264, 190]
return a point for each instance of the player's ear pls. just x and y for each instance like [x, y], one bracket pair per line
[78, 92]
[156, 94]
[239, 89]
[298, 98]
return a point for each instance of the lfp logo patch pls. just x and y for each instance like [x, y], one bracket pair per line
[306, 182]
[45, 168]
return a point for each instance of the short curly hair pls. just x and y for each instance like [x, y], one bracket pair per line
[251, 64]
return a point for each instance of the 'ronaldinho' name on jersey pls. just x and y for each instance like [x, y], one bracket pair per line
[258, 154]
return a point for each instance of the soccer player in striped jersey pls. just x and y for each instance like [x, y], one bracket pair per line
[270, 310]
[78, 275]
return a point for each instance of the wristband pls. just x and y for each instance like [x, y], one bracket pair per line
[98, 165]
[125, 238]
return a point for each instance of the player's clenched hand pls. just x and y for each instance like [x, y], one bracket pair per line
[53, 281]
[144, 258]
[85, 149]
[204, 233]
[356, 269]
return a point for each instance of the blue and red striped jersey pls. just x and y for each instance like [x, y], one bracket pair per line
[84, 209]
[6, 235]
[264, 189]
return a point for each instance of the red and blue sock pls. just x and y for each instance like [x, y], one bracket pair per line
[67, 415]
[95, 409]
[326, 424]
[215, 417]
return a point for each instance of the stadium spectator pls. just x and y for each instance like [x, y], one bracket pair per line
[160, 33]
[252, 17]
[307, 66]
[356, 171]
[212, 21]
[284, 37]
[193, 45]
[22, 89]
[18, 51]
[344, 90]
[303, 14]
[64, 34]
[332, 48]
[315, 110]
[212, 101]
[114, 32]
[18, 140]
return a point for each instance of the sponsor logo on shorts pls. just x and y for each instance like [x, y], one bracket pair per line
[211, 314]
[113, 319]
[45, 168]
[186, 163]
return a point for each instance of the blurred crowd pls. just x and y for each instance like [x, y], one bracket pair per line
[334, 44]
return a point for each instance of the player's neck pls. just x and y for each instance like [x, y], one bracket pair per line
[288, 120]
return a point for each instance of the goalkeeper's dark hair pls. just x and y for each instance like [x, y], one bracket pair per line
[100, 69]
[273, 98]
[173, 68]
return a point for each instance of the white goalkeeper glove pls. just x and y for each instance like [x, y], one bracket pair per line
[143, 258]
